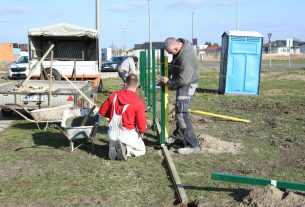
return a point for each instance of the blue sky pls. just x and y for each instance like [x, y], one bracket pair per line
[285, 19]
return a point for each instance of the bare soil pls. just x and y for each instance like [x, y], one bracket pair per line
[212, 145]
[270, 196]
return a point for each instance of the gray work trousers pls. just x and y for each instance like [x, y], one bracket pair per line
[184, 127]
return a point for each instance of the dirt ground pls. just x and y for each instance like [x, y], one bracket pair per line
[270, 196]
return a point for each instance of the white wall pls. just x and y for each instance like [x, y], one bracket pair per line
[302, 50]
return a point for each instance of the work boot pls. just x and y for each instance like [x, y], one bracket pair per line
[175, 142]
[121, 151]
[189, 150]
[112, 153]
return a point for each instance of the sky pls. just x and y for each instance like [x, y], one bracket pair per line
[169, 18]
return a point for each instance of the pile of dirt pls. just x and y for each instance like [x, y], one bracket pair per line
[212, 145]
[270, 196]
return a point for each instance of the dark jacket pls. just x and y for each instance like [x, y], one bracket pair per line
[183, 70]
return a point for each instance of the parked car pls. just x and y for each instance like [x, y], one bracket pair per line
[113, 63]
[20, 68]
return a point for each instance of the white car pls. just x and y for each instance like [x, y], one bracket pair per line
[20, 68]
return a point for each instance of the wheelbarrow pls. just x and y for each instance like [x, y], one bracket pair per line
[78, 135]
[45, 115]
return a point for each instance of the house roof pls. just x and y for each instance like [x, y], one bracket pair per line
[155, 45]
[212, 48]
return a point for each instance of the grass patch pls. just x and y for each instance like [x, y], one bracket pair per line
[37, 169]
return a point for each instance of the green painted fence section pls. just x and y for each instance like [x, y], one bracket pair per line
[258, 181]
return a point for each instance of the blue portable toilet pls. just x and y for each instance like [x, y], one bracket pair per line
[240, 65]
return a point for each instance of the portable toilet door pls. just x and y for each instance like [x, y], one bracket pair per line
[240, 62]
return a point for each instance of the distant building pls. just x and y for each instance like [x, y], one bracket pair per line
[302, 48]
[212, 50]
[145, 46]
[280, 47]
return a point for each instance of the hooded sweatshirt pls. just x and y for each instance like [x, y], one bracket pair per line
[134, 117]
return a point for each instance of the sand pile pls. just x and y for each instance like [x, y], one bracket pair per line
[270, 196]
[212, 145]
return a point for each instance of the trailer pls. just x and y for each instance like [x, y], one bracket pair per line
[40, 96]
[75, 53]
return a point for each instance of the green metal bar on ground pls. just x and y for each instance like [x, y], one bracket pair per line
[258, 181]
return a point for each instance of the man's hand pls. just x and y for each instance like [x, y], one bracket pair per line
[163, 79]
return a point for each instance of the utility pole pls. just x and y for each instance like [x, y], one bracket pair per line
[193, 25]
[97, 26]
[237, 14]
[269, 36]
[149, 34]
[124, 31]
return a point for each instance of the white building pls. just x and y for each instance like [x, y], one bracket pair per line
[302, 48]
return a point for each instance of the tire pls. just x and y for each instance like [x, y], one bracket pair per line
[55, 74]
[6, 112]
[100, 86]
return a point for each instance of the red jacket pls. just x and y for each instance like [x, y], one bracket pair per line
[134, 117]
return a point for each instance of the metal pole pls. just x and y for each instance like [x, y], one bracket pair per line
[192, 25]
[270, 53]
[97, 26]
[237, 14]
[50, 79]
[124, 33]
[150, 52]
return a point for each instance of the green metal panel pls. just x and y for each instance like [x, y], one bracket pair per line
[257, 181]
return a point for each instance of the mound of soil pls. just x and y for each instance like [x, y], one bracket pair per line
[212, 145]
[270, 196]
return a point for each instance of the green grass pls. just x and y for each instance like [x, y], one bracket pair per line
[37, 169]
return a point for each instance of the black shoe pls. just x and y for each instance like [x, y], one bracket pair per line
[174, 142]
[121, 151]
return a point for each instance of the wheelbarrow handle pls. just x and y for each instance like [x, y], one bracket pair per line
[54, 126]
[87, 116]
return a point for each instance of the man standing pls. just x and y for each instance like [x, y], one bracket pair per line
[127, 121]
[183, 76]
[126, 67]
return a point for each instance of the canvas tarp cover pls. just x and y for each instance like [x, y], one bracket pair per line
[63, 30]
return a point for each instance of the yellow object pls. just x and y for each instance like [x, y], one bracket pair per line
[219, 116]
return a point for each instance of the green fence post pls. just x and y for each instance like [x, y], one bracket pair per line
[142, 68]
[148, 81]
[162, 140]
[153, 81]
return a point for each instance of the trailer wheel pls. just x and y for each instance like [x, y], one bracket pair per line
[55, 74]
[6, 112]
[100, 86]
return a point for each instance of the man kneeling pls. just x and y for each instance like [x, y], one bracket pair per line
[127, 121]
